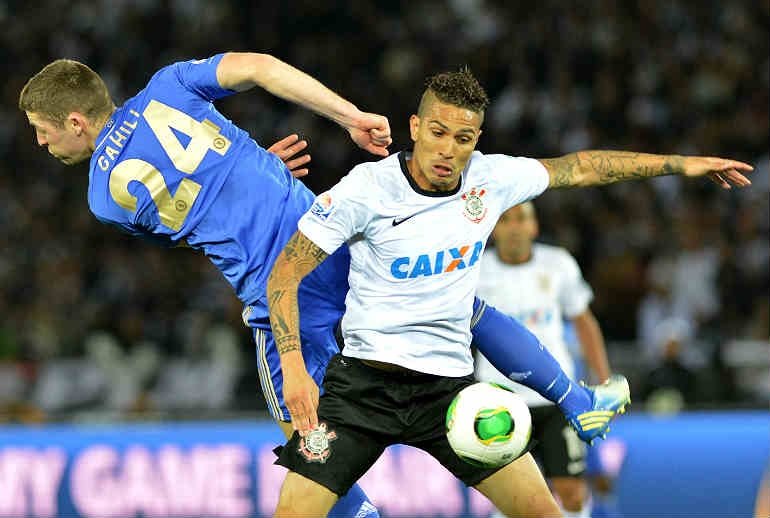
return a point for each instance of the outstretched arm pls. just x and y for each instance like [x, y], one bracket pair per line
[299, 257]
[244, 70]
[587, 168]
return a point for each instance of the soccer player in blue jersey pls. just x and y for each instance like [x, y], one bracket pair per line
[168, 167]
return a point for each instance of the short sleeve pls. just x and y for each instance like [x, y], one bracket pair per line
[200, 76]
[520, 178]
[575, 294]
[339, 213]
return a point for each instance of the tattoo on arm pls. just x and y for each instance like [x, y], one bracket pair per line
[287, 343]
[586, 168]
[303, 250]
[674, 164]
[563, 170]
[299, 257]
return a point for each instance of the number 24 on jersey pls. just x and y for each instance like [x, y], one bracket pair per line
[204, 136]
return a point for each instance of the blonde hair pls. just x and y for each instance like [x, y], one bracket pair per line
[65, 86]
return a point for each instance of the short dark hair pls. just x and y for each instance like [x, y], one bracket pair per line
[458, 88]
[65, 86]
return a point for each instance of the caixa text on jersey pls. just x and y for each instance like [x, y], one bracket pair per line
[442, 261]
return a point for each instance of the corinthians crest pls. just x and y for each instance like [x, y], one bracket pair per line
[315, 445]
[474, 208]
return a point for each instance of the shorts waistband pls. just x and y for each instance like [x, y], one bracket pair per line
[392, 368]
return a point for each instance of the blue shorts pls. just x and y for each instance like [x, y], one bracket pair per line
[321, 305]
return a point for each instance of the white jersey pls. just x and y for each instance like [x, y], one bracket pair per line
[539, 294]
[415, 255]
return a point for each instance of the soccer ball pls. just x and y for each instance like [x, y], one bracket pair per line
[488, 425]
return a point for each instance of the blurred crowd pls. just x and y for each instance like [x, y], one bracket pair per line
[94, 321]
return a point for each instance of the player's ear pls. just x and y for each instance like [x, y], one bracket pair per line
[414, 127]
[77, 122]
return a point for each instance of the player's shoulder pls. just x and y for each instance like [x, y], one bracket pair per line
[178, 71]
[174, 66]
[480, 162]
[163, 80]
[500, 166]
[165, 72]
[496, 160]
[375, 175]
[387, 165]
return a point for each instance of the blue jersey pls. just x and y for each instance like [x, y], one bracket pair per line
[168, 167]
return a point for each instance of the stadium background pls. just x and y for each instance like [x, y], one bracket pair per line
[97, 328]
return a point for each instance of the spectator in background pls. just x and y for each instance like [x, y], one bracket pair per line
[670, 385]
[657, 306]
[695, 266]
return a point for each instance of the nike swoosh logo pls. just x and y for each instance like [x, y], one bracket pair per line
[399, 221]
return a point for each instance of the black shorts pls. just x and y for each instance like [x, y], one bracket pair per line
[364, 410]
[559, 450]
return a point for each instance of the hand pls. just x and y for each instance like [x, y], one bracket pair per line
[288, 147]
[372, 133]
[300, 393]
[721, 171]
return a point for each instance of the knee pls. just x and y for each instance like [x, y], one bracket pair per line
[571, 503]
[572, 493]
[546, 509]
[536, 505]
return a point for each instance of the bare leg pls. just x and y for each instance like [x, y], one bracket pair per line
[572, 493]
[354, 503]
[301, 497]
[762, 506]
[286, 428]
[519, 489]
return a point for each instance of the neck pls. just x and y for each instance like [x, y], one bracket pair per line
[421, 180]
[96, 128]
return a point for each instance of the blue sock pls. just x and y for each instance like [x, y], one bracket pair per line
[354, 504]
[518, 354]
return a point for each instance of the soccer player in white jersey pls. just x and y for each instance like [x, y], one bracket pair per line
[541, 285]
[416, 224]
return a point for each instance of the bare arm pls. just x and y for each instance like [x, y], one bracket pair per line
[592, 343]
[587, 168]
[244, 70]
[299, 257]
